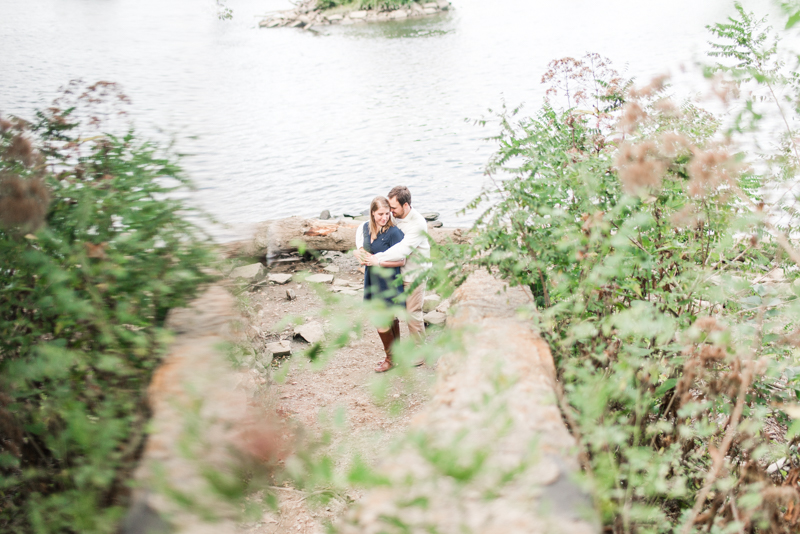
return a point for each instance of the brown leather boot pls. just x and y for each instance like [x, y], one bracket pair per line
[387, 338]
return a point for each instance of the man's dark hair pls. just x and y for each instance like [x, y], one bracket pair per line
[401, 194]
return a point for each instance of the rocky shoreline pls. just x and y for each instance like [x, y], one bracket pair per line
[307, 16]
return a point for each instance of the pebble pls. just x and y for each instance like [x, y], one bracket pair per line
[430, 302]
[311, 332]
[320, 279]
[290, 294]
[280, 348]
[252, 273]
[435, 318]
[280, 278]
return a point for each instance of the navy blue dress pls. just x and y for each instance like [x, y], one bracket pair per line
[375, 285]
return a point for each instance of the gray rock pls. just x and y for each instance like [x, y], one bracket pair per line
[428, 5]
[297, 24]
[290, 294]
[399, 14]
[431, 10]
[320, 279]
[325, 215]
[416, 8]
[280, 348]
[331, 269]
[355, 15]
[444, 5]
[435, 318]
[280, 278]
[431, 215]
[436, 224]
[351, 292]
[252, 273]
[430, 302]
[311, 332]
[444, 306]
[334, 18]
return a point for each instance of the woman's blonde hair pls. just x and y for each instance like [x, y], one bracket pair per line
[376, 203]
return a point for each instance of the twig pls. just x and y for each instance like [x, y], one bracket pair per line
[730, 433]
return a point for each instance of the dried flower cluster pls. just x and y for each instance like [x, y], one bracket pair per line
[23, 203]
[640, 166]
[24, 197]
[710, 169]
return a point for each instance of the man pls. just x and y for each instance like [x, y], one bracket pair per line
[414, 248]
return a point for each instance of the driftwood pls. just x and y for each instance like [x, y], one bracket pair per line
[283, 235]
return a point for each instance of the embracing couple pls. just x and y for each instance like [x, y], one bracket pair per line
[391, 245]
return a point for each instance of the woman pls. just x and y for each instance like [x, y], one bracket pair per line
[379, 234]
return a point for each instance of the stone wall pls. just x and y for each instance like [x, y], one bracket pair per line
[493, 412]
[200, 411]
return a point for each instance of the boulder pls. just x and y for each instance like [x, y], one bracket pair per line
[431, 10]
[311, 332]
[334, 18]
[290, 294]
[355, 15]
[280, 278]
[416, 8]
[252, 273]
[280, 348]
[430, 302]
[399, 14]
[320, 279]
[435, 318]
[297, 24]
[431, 215]
[444, 5]
[325, 215]
[429, 5]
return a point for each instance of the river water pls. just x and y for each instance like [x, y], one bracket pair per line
[284, 122]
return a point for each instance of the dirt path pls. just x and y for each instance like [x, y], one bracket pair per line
[313, 398]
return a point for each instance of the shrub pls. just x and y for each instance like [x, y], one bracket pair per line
[95, 251]
[648, 245]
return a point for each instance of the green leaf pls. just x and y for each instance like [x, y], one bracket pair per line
[666, 386]
[794, 19]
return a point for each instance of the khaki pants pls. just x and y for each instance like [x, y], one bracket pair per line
[416, 326]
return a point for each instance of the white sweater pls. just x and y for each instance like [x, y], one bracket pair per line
[414, 246]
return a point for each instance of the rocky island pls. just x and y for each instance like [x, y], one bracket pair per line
[310, 15]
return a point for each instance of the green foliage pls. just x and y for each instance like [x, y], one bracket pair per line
[639, 234]
[82, 304]
[223, 11]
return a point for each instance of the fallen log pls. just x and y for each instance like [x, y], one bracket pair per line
[491, 453]
[283, 235]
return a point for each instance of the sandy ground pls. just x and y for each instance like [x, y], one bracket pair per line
[313, 397]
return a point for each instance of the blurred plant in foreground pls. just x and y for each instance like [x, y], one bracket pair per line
[662, 264]
[95, 252]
